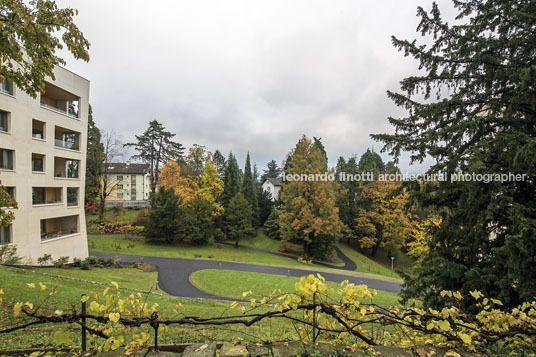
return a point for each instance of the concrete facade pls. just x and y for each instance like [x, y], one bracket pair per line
[131, 182]
[44, 165]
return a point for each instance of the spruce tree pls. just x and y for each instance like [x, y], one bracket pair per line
[471, 109]
[249, 192]
[231, 180]
[237, 219]
[273, 171]
[371, 162]
[94, 160]
[163, 221]
[219, 161]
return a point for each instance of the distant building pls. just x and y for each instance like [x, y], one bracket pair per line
[43, 164]
[273, 186]
[131, 184]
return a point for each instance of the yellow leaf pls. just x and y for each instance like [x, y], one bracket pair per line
[29, 304]
[42, 286]
[114, 316]
[115, 284]
[84, 298]
[105, 291]
[17, 309]
[31, 286]
[234, 304]
[1, 291]
[465, 338]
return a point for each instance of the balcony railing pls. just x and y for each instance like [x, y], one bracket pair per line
[67, 145]
[61, 111]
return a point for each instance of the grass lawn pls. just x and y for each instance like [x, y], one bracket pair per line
[137, 246]
[237, 282]
[262, 241]
[68, 292]
[366, 264]
[127, 216]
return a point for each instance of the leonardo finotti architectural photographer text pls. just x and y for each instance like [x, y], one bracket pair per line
[369, 176]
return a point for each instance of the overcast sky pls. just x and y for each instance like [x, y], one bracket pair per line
[248, 75]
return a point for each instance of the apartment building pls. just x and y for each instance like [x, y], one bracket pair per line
[42, 163]
[130, 184]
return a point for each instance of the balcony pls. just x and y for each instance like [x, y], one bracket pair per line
[59, 100]
[46, 195]
[72, 196]
[66, 168]
[38, 129]
[59, 227]
[67, 139]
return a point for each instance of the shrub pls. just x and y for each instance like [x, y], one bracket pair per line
[61, 261]
[285, 248]
[46, 259]
[92, 260]
[84, 264]
[120, 228]
[77, 262]
[8, 255]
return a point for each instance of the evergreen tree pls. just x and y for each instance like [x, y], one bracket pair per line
[248, 189]
[471, 109]
[266, 205]
[348, 193]
[163, 220]
[371, 162]
[271, 226]
[231, 181]
[94, 160]
[198, 223]
[318, 143]
[237, 218]
[308, 212]
[273, 171]
[155, 147]
[219, 161]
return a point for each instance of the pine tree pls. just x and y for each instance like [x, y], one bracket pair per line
[371, 162]
[163, 220]
[155, 147]
[94, 160]
[471, 109]
[347, 193]
[273, 171]
[219, 161]
[231, 181]
[308, 210]
[249, 192]
[237, 219]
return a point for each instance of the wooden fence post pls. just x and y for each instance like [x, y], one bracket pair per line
[84, 330]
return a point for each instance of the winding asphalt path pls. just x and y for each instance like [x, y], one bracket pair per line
[174, 274]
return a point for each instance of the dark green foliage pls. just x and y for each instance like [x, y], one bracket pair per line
[273, 171]
[219, 161]
[348, 192]
[155, 147]
[94, 159]
[322, 247]
[271, 226]
[248, 189]
[197, 223]
[266, 205]
[8, 255]
[237, 219]
[231, 181]
[317, 142]
[163, 220]
[371, 162]
[485, 124]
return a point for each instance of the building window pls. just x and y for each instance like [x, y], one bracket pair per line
[58, 227]
[59, 100]
[6, 87]
[67, 139]
[119, 178]
[10, 191]
[72, 168]
[38, 129]
[6, 159]
[72, 196]
[46, 195]
[38, 163]
[4, 121]
[133, 180]
[120, 186]
[5, 235]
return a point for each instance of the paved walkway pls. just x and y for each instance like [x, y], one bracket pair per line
[174, 273]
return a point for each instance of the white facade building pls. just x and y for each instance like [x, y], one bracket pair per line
[273, 186]
[131, 182]
[42, 164]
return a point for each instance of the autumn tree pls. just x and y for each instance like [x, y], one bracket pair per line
[94, 160]
[238, 219]
[383, 220]
[31, 34]
[211, 189]
[155, 147]
[470, 108]
[171, 177]
[308, 212]
[193, 163]
[249, 192]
